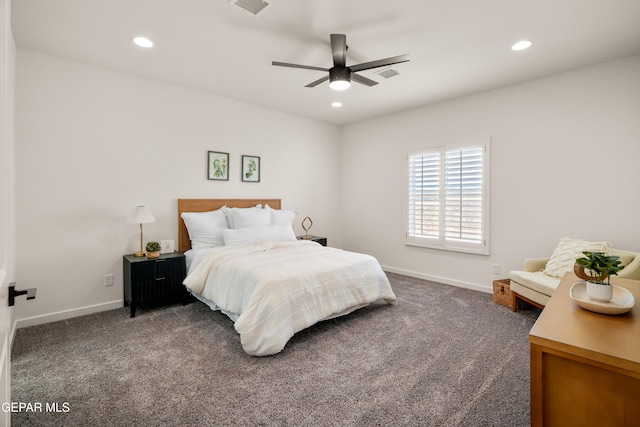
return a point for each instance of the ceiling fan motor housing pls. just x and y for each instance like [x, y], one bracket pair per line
[339, 74]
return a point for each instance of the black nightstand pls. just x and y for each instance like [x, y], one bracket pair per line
[321, 240]
[153, 279]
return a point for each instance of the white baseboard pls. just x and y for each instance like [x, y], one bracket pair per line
[446, 281]
[67, 314]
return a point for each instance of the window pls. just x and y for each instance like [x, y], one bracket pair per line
[448, 198]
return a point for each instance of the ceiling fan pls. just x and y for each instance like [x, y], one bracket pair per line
[340, 75]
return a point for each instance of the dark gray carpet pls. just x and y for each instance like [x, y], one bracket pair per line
[441, 356]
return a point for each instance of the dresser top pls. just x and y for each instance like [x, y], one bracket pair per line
[564, 326]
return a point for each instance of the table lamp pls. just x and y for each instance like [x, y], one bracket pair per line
[140, 215]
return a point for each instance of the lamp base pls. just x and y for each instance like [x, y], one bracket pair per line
[138, 254]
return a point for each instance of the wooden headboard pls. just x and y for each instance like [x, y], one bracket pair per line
[205, 205]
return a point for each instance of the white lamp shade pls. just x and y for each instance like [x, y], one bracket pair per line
[140, 215]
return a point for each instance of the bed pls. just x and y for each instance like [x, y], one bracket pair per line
[244, 260]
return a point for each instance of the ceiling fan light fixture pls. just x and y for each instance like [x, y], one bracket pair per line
[339, 78]
[340, 84]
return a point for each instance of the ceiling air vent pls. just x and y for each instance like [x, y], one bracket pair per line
[388, 73]
[254, 7]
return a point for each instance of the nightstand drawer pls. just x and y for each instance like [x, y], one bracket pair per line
[159, 288]
[158, 269]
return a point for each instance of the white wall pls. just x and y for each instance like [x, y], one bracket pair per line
[93, 143]
[565, 162]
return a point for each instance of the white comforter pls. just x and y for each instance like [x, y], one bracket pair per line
[280, 288]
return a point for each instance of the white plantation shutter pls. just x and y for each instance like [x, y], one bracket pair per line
[447, 198]
[424, 195]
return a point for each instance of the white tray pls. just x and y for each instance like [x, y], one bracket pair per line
[621, 303]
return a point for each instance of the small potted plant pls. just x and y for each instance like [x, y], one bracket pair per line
[153, 249]
[596, 268]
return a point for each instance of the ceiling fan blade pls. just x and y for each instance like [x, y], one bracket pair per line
[379, 63]
[317, 82]
[362, 80]
[305, 67]
[339, 49]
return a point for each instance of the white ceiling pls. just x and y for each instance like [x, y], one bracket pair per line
[457, 47]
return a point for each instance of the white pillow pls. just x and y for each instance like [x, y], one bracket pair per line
[247, 217]
[567, 251]
[268, 233]
[205, 228]
[281, 216]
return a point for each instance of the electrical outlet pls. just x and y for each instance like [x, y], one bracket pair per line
[496, 268]
[108, 279]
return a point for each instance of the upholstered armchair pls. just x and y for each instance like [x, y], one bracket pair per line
[541, 276]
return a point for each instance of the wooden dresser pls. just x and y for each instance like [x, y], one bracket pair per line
[585, 367]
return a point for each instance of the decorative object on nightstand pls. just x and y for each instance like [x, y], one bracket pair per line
[306, 226]
[140, 215]
[153, 249]
[146, 280]
[166, 246]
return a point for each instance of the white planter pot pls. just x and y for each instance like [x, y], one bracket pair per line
[598, 292]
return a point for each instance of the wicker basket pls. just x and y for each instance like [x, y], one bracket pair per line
[502, 292]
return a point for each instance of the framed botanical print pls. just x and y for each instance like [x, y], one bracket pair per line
[251, 168]
[218, 166]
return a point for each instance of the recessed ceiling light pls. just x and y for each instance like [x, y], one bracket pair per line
[336, 104]
[522, 45]
[143, 42]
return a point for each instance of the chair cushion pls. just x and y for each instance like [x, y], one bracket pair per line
[568, 250]
[538, 281]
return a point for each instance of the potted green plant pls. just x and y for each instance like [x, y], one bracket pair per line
[153, 249]
[596, 268]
